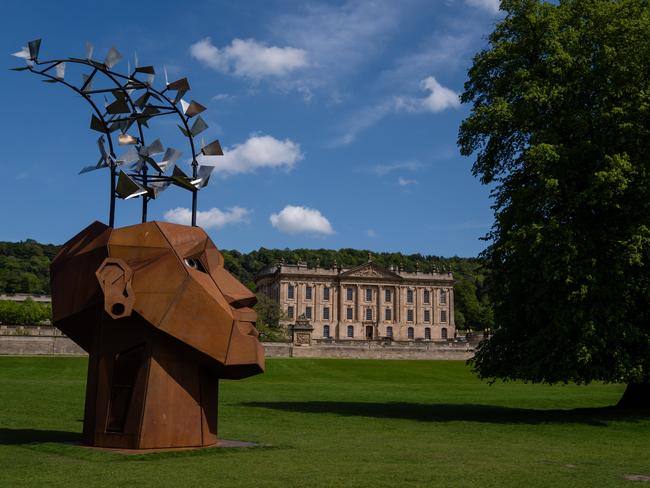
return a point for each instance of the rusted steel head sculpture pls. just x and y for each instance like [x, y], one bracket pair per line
[163, 321]
[152, 303]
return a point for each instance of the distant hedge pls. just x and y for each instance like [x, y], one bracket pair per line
[28, 312]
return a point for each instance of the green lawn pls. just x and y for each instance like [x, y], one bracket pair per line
[337, 423]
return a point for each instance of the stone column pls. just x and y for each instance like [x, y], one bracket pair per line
[393, 303]
[397, 309]
[298, 291]
[358, 318]
[336, 308]
[416, 306]
[435, 310]
[380, 300]
[338, 302]
[318, 312]
[450, 319]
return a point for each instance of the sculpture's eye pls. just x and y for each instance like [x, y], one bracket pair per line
[195, 263]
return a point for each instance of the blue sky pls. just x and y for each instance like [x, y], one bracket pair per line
[338, 120]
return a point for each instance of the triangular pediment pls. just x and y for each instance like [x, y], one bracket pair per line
[370, 270]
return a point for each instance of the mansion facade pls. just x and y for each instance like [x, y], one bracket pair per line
[367, 302]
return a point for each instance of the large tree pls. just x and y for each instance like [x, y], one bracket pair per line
[560, 128]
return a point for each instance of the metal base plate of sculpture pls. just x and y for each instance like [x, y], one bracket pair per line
[152, 304]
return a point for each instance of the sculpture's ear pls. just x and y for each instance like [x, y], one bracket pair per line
[114, 276]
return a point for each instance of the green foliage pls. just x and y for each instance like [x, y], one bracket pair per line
[269, 315]
[472, 306]
[25, 267]
[559, 127]
[28, 312]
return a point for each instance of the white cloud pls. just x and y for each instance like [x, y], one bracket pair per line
[384, 169]
[447, 49]
[405, 182]
[222, 97]
[371, 233]
[340, 38]
[442, 51]
[248, 58]
[361, 120]
[301, 220]
[209, 219]
[440, 98]
[323, 45]
[489, 5]
[258, 151]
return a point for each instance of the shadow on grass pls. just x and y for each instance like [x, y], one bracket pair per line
[441, 412]
[35, 436]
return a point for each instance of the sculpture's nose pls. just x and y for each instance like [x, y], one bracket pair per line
[245, 352]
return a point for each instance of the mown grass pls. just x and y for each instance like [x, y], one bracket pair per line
[338, 423]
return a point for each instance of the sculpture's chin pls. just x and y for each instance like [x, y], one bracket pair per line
[245, 352]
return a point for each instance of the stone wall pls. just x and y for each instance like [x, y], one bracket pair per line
[39, 345]
[277, 349]
[25, 341]
[380, 352]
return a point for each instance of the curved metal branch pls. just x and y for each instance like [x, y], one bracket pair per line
[140, 112]
[111, 76]
[111, 212]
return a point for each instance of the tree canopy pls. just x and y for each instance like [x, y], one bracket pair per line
[560, 128]
[25, 267]
[269, 315]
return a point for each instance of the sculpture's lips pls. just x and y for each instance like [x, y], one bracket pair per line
[245, 352]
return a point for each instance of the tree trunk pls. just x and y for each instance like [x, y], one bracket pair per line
[636, 396]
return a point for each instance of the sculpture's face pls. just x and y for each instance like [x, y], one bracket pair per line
[172, 276]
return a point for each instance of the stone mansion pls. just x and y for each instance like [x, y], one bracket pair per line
[367, 302]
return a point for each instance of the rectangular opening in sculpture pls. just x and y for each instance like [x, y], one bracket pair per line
[126, 366]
